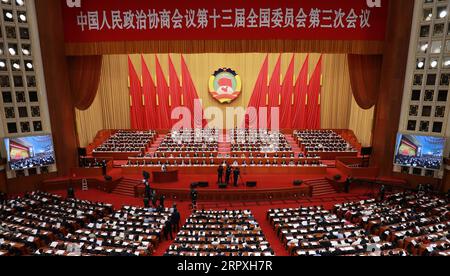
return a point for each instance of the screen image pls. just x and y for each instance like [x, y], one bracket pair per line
[419, 151]
[30, 152]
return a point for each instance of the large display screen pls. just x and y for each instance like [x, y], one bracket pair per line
[30, 152]
[419, 151]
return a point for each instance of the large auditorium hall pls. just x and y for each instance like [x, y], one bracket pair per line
[226, 129]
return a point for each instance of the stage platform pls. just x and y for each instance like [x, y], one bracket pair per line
[268, 186]
[212, 170]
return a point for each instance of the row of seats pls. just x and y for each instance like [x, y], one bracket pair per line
[193, 140]
[245, 140]
[313, 231]
[220, 233]
[416, 222]
[45, 224]
[127, 141]
[313, 141]
[33, 221]
[213, 162]
[241, 155]
[130, 231]
[402, 224]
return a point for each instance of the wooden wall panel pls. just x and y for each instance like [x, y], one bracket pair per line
[388, 108]
[60, 102]
[3, 186]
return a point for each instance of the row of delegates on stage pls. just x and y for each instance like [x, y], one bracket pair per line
[189, 140]
[128, 141]
[313, 231]
[93, 163]
[322, 141]
[187, 155]
[130, 231]
[220, 233]
[37, 219]
[416, 222]
[214, 162]
[258, 141]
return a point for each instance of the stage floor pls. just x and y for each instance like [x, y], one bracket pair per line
[264, 181]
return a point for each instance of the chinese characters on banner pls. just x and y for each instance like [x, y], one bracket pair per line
[112, 20]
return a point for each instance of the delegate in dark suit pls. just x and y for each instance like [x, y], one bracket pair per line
[220, 174]
[236, 174]
[228, 175]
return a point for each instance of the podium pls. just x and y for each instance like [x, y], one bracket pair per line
[165, 177]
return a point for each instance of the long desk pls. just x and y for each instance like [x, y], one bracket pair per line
[165, 177]
[244, 170]
[218, 160]
[115, 155]
[215, 153]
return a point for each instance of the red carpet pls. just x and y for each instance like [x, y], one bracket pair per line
[259, 210]
[263, 181]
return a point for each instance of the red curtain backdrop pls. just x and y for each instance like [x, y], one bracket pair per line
[258, 98]
[189, 95]
[175, 86]
[313, 106]
[365, 74]
[286, 97]
[163, 93]
[149, 91]
[84, 75]
[274, 91]
[137, 112]
[300, 92]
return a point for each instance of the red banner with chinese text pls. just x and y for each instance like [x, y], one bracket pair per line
[139, 20]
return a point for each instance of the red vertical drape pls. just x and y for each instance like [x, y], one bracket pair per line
[300, 92]
[258, 98]
[274, 91]
[175, 88]
[137, 114]
[163, 92]
[286, 97]
[313, 106]
[365, 72]
[189, 95]
[84, 74]
[149, 91]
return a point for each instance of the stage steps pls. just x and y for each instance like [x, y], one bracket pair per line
[295, 147]
[126, 187]
[321, 187]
